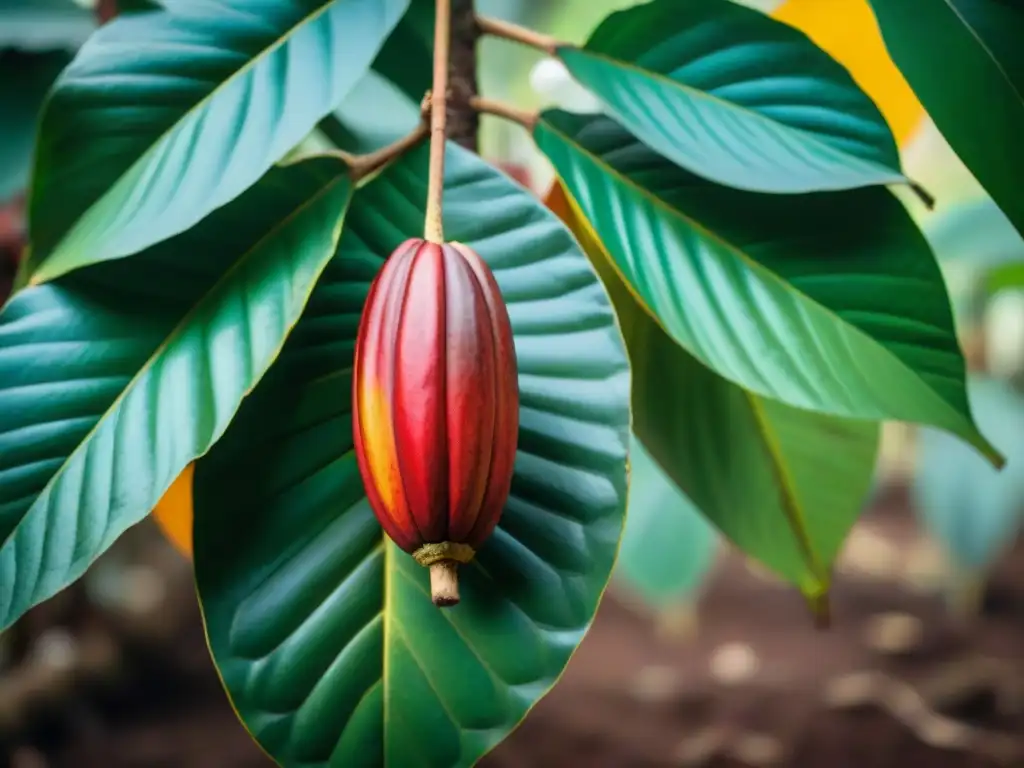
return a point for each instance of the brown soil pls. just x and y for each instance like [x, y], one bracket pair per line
[752, 684]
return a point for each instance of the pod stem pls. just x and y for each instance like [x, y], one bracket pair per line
[433, 227]
[442, 559]
[444, 583]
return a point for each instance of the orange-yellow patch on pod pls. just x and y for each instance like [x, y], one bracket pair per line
[379, 444]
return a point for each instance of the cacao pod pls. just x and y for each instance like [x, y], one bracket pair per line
[435, 409]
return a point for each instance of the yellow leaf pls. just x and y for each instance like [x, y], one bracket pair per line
[173, 513]
[847, 31]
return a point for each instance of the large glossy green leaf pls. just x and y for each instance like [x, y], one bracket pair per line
[973, 510]
[668, 546]
[24, 81]
[44, 25]
[166, 115]
[965, 61]
[385, 104]
[784, 484]
[831, 302]
[113, 379]
[407, 57]
[375, 113]
[324, 633]
[736, 97]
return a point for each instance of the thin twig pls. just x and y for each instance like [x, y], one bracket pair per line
[363, 165]
[433, 226]
[490, 107]
[509, 31]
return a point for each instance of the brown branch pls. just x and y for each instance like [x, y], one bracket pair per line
[509, 31]
[363, 165]
[490, 107]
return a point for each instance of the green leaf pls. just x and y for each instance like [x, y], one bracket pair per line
[785, 485]
[407, 57]
[793, 298]
[668, 547]
[44, 25]
[965, 62]
[323, 631]
[141, 140]
[736, 97]
[113, 379]
[375, 113]
[385, 104]
[24, 81]
[973, 510]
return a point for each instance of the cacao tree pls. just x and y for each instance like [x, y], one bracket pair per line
[220, 316]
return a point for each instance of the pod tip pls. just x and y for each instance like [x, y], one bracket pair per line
[444, 583]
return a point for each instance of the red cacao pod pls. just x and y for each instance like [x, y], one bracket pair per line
[435, 408]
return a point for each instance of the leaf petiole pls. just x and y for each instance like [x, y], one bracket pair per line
[500, 109]
[509, 31]
[364, 165]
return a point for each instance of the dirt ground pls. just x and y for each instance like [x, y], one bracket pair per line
[895, 682]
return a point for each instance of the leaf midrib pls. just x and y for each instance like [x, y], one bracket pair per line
[250, 64]
[752, 264]
[698, 94]
[792, 508]
[172, 335]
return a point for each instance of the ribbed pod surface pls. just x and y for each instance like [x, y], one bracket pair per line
[436, 402]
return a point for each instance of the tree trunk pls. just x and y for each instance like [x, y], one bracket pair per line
[463, 122]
